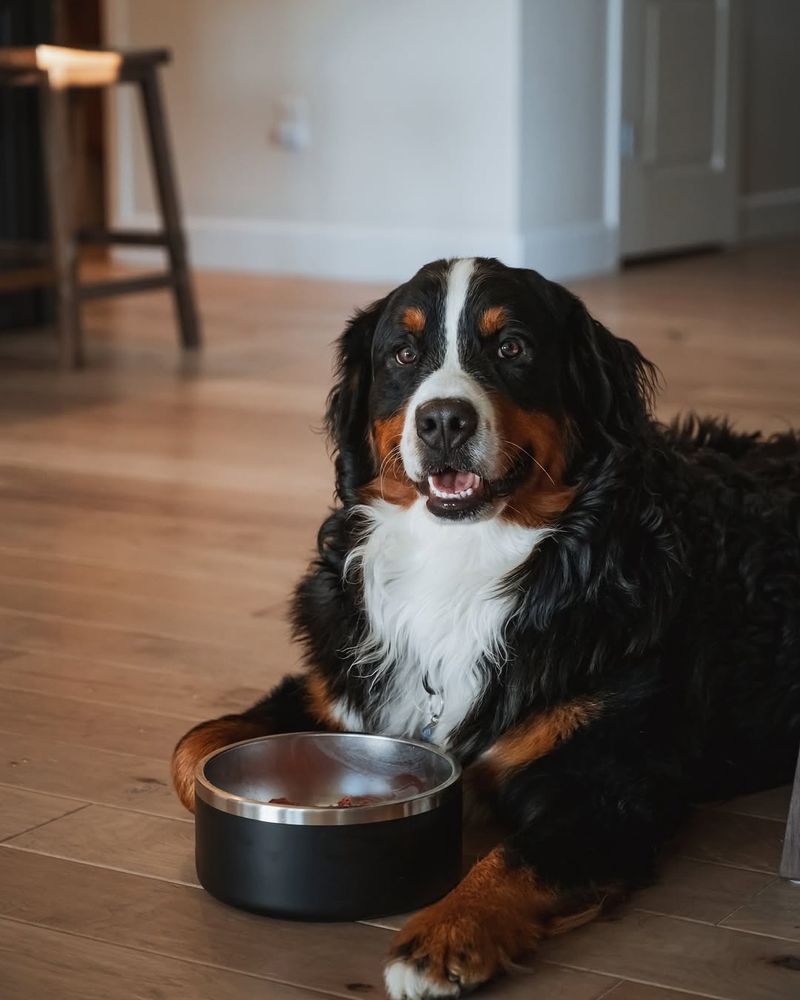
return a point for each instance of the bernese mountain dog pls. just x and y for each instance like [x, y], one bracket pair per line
[597, 614]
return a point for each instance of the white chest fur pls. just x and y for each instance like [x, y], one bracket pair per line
[436, 611]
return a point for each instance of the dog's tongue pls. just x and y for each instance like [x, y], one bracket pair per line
[455, 482]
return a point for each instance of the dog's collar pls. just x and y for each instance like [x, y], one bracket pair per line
[435, 709]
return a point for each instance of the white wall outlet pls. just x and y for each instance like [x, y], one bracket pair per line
[291, 126]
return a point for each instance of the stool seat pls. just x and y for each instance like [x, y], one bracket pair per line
[69, 67]
[63, 67]
[56, 71]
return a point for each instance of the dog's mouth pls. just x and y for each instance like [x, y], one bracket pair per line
[460, 493]
[455, 492]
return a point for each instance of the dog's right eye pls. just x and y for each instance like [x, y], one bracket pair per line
[406, 356]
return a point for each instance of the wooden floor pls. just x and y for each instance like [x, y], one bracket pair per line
[154, 513]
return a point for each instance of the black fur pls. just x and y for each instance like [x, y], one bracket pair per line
[669, 596]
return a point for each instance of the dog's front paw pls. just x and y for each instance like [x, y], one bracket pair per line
[406, 982]
[440, 953]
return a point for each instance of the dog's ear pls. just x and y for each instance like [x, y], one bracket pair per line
[609, 385]
[347, 413]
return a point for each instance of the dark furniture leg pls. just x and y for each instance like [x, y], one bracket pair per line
[790, 862]
[60, 192]
[170, 208]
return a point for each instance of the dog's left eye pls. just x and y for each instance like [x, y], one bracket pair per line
[509, 349]
[406, 356]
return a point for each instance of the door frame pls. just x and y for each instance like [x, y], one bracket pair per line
[612, 157]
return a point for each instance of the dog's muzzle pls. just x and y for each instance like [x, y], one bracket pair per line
[445, 429]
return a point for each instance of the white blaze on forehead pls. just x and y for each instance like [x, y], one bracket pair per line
[450, 381]
[458, 279]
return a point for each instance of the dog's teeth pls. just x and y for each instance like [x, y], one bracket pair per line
[449, 494]
[435, 489]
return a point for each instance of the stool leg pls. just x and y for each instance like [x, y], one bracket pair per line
[790, 862]
[60, 193]
[170, 208]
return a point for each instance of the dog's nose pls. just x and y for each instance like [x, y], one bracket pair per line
[445, 424]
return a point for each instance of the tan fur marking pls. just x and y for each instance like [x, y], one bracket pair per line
[413, 320]
[320, 701]
[491, 918]
[544, 495]
[492, 320]
[391, 483]
[202, 740]
[494, 917]
[538, 736]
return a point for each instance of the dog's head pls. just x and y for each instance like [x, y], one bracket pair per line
[478, 387]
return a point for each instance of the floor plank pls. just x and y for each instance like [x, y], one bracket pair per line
[233, 550]
[770, 804]
[698, 890]
[224, 632]
[548, 982]
[775, 910]
[126, 841]
[36, 962]
[682, 955]
[733, 839]
[640, 991]
[182, 922]
[204, 593]
[189, 697]
[21, 810]
[131, 647]
[87, 775]
[79, 723]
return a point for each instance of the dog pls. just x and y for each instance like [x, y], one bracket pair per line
[597, 614]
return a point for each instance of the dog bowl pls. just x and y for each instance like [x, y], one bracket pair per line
[324, 852]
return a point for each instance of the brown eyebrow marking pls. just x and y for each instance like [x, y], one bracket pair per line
[492, 320]
[413, 319]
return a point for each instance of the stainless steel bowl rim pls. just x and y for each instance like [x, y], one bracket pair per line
[267, 812]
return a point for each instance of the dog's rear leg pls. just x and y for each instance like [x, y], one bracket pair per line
[296, 704]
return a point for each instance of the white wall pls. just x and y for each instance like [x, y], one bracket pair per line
[771, 125]
[419, 144]
[413, 109]
[563, 213]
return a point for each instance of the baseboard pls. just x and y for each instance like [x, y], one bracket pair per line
[362, 254]
[770, 215]
[572, 251]
[359, 254]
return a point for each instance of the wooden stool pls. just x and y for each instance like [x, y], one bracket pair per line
[55, 71]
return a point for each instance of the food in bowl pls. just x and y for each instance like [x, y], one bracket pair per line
[345, 802]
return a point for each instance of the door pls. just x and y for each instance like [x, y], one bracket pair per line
[680, 97]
